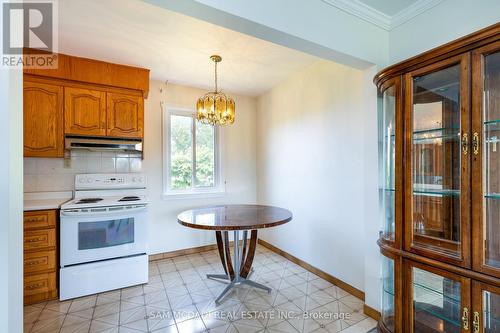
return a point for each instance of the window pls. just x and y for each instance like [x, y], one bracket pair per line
[192, 158]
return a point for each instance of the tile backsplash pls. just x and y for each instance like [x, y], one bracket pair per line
[58, 174]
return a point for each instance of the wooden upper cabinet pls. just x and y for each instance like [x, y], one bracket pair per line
[125, 115]
[84, 112]
[43, 120]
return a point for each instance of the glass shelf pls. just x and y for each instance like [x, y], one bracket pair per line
[433, 311]
[492, 195]
[436, 192]
[492, 122]
[435, 133]
[437, 129]
[452, 300]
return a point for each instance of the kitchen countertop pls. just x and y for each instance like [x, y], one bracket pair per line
[45, 200]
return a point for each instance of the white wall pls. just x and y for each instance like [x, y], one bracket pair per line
[370, 194]
[449, 20]
[239, 153]
[312, 158]
[11, 201]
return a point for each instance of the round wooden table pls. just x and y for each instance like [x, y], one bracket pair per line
[236, 218]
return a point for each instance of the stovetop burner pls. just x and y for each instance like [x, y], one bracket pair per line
[130, 198]
[88, 200]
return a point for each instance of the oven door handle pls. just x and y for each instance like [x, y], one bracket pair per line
[99, 211]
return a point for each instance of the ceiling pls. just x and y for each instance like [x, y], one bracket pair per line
[173, 46]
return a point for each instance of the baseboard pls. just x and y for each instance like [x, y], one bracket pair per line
[330, 278]
[183, 252]
[370, 312]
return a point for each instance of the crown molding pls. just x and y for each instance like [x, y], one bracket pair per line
[363, 11]
[376, 17]
[413, 10]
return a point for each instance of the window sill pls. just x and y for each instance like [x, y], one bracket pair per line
[193, 195]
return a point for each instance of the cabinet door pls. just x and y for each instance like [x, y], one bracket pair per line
[392, 288]
[437, 300]
[43, 120]
[125, 115]
[486, 158]
[84, 112]
[486, 305]
[437, 180]
[390, 190]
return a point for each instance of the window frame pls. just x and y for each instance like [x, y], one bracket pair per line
[202, 192]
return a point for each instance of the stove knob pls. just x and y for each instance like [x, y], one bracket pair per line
[81, 180]
[134, 179]
[141, 179]
[89, 180]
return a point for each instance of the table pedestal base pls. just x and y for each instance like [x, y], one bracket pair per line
[242, 258]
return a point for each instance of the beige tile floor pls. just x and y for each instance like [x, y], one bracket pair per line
[179, 298]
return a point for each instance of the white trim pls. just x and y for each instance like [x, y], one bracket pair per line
[380, 19]
[363, 11]
[219, 188]
[413, 10]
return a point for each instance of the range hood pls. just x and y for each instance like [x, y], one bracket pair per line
[103, 144]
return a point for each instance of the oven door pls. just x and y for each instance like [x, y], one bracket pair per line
[94, 234]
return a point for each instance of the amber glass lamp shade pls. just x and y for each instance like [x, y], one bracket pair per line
[215, 109]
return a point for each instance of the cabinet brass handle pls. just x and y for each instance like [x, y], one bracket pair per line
[475, 323]
[465, 143]
[465, 319]
[475, 143]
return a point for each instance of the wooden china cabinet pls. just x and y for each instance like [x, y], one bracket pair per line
[439, 142]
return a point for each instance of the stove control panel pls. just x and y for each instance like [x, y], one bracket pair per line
[98, 181]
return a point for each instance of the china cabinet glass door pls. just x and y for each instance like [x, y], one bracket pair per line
[439, 300]
[391, 286]
[486, 158]
[390, 132]
[437, 183]
[486, 314]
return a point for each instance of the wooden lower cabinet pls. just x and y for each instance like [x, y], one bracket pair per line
[40, 256]
[486, 308]
[437, 300]
[420, 298]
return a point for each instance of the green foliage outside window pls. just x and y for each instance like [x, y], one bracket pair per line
[181, 154]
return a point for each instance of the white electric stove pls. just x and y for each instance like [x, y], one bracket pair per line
[103, 235]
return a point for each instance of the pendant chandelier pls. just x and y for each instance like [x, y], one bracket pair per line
[215, 108]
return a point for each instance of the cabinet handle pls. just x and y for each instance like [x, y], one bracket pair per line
[475, 143]
[465, 319]
[34, 286]
[465, 143]
[33, 240]
[475, 323]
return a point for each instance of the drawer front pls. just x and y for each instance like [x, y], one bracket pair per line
[40, 219]
[37, 239]
[40, 283]
[39, 261]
